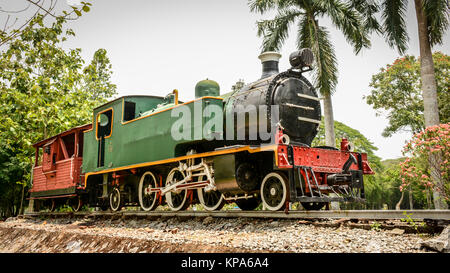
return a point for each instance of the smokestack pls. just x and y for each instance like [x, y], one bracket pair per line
[269, 61]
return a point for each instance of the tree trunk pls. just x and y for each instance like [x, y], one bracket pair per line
[21, 200]
[430, 102]
[330, 138]
[410, 198]
[397, 207]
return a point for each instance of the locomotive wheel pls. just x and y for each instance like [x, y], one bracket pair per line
[75, 203]
[313, 205]
[147, 199]
[248, 204]
[115, 200]
[212, 200]
[176, 200]
[274, 191]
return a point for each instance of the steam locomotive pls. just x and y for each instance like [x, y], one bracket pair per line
[149, 151]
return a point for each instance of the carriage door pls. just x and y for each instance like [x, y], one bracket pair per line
[104, 130]
[49, 158]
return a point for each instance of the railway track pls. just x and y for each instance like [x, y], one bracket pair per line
[433, 215]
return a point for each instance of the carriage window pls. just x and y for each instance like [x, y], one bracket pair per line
[104, 124]
[69, 142]
[129, 111]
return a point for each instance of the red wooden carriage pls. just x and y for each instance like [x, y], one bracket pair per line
[57, 169]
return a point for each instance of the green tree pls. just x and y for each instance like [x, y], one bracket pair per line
[432, 20]
[384, 189]
[361, 143]
[44, 90]
[353, 18]
[397, 90]
[17, 21]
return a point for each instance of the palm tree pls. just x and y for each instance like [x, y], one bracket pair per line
[355, 20]
[432, 18]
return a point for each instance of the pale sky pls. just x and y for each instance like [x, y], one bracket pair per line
[156, 46]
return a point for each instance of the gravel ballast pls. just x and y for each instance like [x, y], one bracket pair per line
[198, 235]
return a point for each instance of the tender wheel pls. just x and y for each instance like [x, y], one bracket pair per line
[36, 205]
[75, 203]
[147, 198]
[51, 205]
[176, 200]
[248, 204]
[313, 205]
[274, 191]
[115, 200]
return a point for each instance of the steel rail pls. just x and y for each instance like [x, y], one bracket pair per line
[321, 214]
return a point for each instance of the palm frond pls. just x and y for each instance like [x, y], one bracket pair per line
[282, 4]
[394, 26]
[348, 20]
[262, 6]
[437, 13]
[275, 31]
[317, 38]
[368, 9]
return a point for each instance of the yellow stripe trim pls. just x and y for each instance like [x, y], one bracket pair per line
[272, 147]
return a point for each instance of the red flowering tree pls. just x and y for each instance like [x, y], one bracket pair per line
[416, 169]
[396, 93]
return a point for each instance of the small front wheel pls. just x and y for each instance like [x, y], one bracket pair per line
[274, 191]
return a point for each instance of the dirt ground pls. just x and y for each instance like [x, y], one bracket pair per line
[19, 240]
